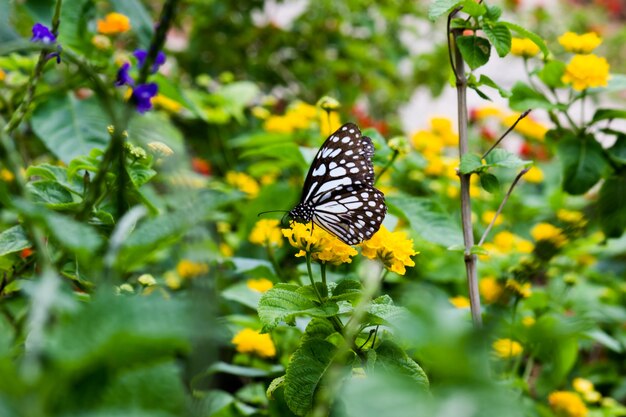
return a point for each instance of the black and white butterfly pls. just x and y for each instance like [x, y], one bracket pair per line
[338, 193]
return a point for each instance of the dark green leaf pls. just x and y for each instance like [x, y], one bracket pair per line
[473, 8]
[139, 174]
[440, 7]
[318, 328]
[583, 163]
[612, 206]
[525, 33]
[347, 289]
[475, 50]
[13, 240]
[552, 73]
[274, 385]
[489, 182]
[392, 360]
[470, 163]
[608, 114]
[500, 37]
[50, 193]
[305, 371]
[484, 80]
[493, 13]
[617, 152]
[70, 127]
[524, 97]
[75, 15]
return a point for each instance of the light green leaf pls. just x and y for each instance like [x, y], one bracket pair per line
[470, 163]
[13, 240]
[51, 193]
[500, 37]
[473, 8]
[242, 294]
[347, 289]
[552, 73]
[583, 163]
[504, 159]
[525, 33]
[440, 7]
[392, 360]
[608, 114]
[475, 50]
[140, 174]
[523, 97]
[485, 80]
[245, 371]
[612, 206]
[305, 372]
[383, 308]
[74, 33]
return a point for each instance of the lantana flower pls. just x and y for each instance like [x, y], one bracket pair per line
[252, 341]
[260, 284]
[548, 232]
[585, 71]
[580, 44]
[243, 182]
[393, 249]
[267, 232]
[490, 289]
[524, 47]
[507, 348]
[567, 404]
[321, 245]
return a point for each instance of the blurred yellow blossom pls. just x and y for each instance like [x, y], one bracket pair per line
[267, 232]
[260, 284]
[190, 269]
[507, 242]
[548, 232]
[252, 341]
[393, 249]
[585, 71]
[526, 126]
[490, 289]
[319, 243]
[570, 216]
[2, 75]
[6, 175]
[567, 404]
[243, 182]
[260, 112]
[580, 44]
[487, 217]
[524, 47]
[114, 23]
[101, 42]
[534, 175]
[172, 280]
[146, 280]
[528, 321]
[329, 122]
[277, 124]
[226, 250]
[299, 115]
[507, 348]
[329, 104]
[459, 301]
[484, 112]
[126, 287]
[442, 127]
[582, 385]
[166, 103]
[524, 290]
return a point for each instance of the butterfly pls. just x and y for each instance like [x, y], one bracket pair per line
[338, 193]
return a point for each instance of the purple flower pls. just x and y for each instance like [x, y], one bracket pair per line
[123, 78]
[142, 95]
[142, 54]
[42, 34]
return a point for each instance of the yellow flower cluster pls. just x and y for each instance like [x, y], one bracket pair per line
[299, 116]
[567, 404]
[260, 284]
[570, 216]
[190, 269]
[322, 246]
[166, 103]
[586, 388]
[252, 341]
[585, 71]
[580, 44]
[507, 348]
[490, 289]
[527, 126]
[523, 290]
[535, 175]
[267, 232]
[114, 23]
[393, 249]
[459, 301]
[548, 232]
[524, 47]
[431, 142]
[243, 182]
[487, 217]
[506, 242]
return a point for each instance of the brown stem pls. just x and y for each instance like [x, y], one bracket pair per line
[521, 116]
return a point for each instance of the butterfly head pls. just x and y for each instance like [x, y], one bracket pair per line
[302, 213]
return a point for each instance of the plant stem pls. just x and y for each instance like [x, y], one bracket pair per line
[521, 116]
[504, 200]
[333, 319]
[323, 269]
[310, 271]
[466, 203]
[386, 167]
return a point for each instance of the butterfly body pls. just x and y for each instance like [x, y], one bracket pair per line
[338, 193]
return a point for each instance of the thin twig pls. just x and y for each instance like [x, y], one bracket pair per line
[449, 35]
[504, 200]
[526, 113]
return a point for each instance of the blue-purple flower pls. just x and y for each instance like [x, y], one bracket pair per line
[123, 77]
[142, 95]
[42, 34]
[141, 56]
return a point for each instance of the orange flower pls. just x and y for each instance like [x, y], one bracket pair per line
[114, 23]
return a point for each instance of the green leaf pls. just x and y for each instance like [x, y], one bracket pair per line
[427, 219]
[236, 97]
[551, 74]
[50, 193]
[305, 372]
[156, 127]
[140, 174]
[489, 182]
[478, 250]
[470, 163]
[473, 9]
[612, 206]
[383, 309]
[504, 159]
[523, 97]
[393, 360]
[13, 240]
[493, 13]
[347, 289]
[274, 385]
[74, 33]
[318, 328]
[242, 294]
[605, 339]
[485, 80]
[58, 174]
[140, 18]
[440, 7]
[608, 114]
[70, 127]
[525, 33]
[245, 371]
[475, 50]
[283, 303]
[500, 37]
[583, 163]
[617, 152]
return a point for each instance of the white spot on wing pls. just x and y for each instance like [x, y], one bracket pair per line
[338, 172]
[319, 171]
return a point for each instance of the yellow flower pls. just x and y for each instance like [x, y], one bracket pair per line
[580, 44]
[567, 404]
[442, 127]
[329, 122]
[166, 103]
[393, 249]
[226, 250]
[548, 232]
[524, 47]
[507, 242]
[534, 175]
[6, 175]
[277, 124]
[267, 232]
[146, 280]
[101, 42]
[524, 290]
[260, 112]
[172, 280]
[486, 111]
[252, 341]
[582, 385]
[592, 396]
[260, 285]
[301, 114]
[243, 182]
[585, 71]
[570, 216]
[114, 23]
[319, 243]
[526, 126]
[460, 301]
[507, 348]
[490, 289]
[487, 216]
[528, 321]
[191, 269]
[2, 75]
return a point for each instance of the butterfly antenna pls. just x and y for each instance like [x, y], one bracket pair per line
[272, 211]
